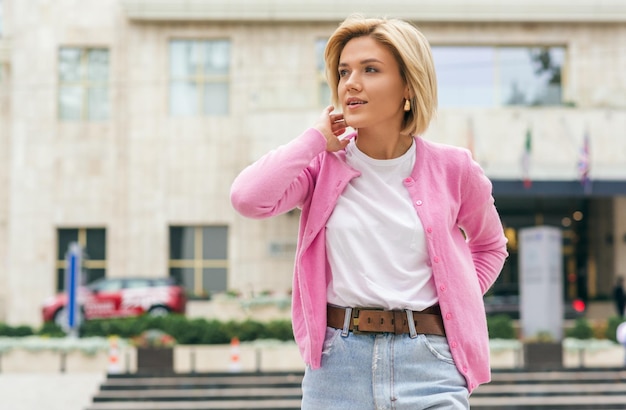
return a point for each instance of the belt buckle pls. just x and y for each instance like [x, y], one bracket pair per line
[356, 312]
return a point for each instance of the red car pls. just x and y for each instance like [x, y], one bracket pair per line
[120, 297]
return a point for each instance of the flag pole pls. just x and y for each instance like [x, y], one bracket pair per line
[526, 158]
[584, 164]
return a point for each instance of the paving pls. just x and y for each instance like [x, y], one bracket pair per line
[48, 391]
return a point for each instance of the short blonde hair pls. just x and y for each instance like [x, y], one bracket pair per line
[412, 52]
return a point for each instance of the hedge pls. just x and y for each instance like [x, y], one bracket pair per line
[185, 331]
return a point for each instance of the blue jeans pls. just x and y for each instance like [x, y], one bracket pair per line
[384, 371]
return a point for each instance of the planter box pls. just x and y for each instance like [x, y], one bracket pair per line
[155, 360]
[543, 356]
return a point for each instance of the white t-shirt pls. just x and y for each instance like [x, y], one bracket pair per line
[375, 241]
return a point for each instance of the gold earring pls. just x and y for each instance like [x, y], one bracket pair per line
[407, 105]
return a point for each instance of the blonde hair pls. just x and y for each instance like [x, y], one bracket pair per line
[412, 52]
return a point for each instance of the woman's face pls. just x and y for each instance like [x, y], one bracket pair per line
[371, 89]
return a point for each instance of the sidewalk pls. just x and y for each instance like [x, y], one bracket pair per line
[49, 391]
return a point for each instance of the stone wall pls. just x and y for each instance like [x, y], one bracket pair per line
[142, 170]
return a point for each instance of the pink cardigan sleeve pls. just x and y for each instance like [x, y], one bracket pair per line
[280, 180]
[481, 223]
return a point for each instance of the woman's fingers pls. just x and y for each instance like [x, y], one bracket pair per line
[332, 125]
[337, 124]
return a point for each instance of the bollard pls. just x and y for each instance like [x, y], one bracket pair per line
[235, 364]
[114, 356]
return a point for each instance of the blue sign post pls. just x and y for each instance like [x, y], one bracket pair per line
[72, 279]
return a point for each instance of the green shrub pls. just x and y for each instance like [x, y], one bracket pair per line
[611, 328]
[599, 329]
[500, 327]
[187, 331]
[50, 329]
[246, 331]
[15, 331]
[122, 327]
[190, 331]
[278, 329]
[581, 330]
[215, 332]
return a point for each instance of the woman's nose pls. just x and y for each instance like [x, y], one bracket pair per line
[352, 82]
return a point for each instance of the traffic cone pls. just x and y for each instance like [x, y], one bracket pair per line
[235, 364]
[114, 356]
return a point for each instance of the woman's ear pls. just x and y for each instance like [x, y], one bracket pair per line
[408, 95]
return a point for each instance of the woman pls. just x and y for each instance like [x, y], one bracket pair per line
[399, 237]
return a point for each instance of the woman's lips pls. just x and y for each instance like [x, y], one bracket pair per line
[353, 103]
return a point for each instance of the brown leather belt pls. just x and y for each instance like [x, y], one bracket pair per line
[361, 320]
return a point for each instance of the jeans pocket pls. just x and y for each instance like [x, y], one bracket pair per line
[439, 347]
[329, 340]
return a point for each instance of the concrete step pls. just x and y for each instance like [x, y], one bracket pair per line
[224, 393]
[562, 376]
[571, 402]
[204, 381]
[550, 389]
[199, 405]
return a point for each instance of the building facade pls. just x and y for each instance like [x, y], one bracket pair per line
[123, 123]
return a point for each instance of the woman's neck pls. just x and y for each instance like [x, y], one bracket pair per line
[383, 146]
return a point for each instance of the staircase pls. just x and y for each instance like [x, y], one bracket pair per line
[200, 392]
[569, 389]
[587, 389]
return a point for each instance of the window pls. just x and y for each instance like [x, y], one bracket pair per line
[109, 285]
[83, 84]
[137, 283]
[199, 77]
[499, 76]
[323, 92]
[93, 243]
[198, 258]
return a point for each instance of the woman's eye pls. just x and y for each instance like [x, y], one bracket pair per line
[343, 73]
[370, 70]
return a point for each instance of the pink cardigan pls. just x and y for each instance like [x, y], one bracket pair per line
[449, 191]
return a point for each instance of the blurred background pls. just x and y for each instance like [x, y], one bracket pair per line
[123, 123]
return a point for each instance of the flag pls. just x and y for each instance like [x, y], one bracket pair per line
[526, 159]
[470, 137]
[584, 164]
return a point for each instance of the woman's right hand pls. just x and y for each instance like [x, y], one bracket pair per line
[332, 126]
